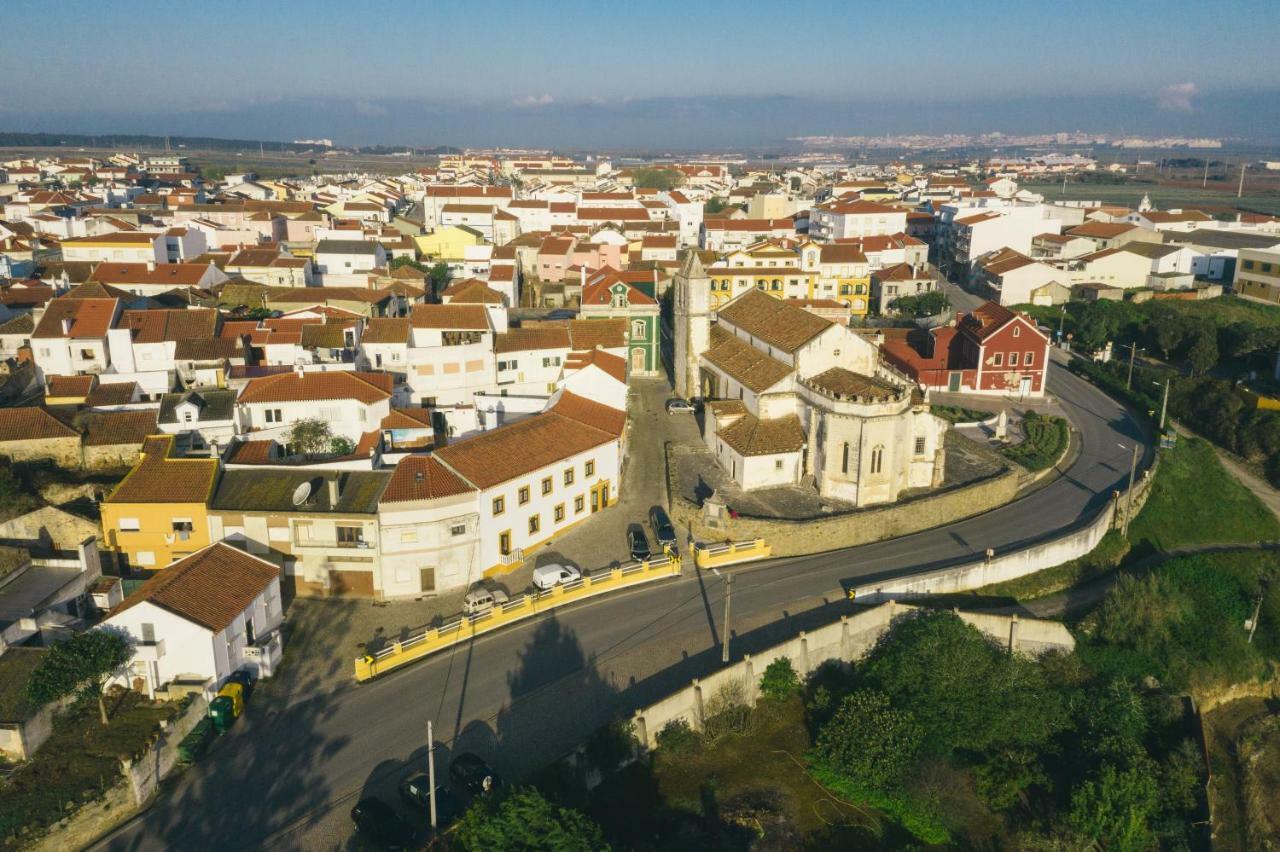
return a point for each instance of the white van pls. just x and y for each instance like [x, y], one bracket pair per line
[552, 574]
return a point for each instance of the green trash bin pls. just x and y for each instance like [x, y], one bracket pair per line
[196, 743]
[222, 712]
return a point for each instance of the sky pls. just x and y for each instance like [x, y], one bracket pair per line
[659, 73]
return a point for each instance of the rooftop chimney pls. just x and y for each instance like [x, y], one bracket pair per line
[66, 325]
[333, 492]
[151, 266]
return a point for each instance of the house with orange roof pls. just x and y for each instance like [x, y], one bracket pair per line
[71, 336]
[351, 402]
[606, 295]
[205, 616]
[158, 512]
[451, 352]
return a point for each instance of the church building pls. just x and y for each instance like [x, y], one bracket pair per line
[792, 398]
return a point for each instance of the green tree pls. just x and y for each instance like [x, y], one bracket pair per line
[924, 305]
[402, 261]
[780, 680]
[657, 178]
[438, 275]
[965, 691]
[1114, 807]
[84, 662]
[1202, 354]
[524, 820]
[714, 205]
[310, 436]
[869, 741]
[340, 445]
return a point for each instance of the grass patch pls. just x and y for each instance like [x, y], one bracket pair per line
[1194, 500]
[1047, 439]
[1102, 560]
[1184, 622]
[79, 761]
[958, 414]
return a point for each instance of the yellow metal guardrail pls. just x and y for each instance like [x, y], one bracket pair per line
[708, 555]
[429, 641]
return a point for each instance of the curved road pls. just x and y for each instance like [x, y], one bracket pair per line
[289, 772]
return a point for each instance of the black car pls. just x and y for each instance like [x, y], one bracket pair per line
[242, 677]
[638, 543]
[470, 774]
[413, 789]
[380, 824]
[664, 532]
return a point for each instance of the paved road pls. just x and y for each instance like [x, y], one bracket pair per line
[288, 773]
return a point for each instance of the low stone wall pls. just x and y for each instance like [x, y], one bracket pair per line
[848, 639]
[849, 529]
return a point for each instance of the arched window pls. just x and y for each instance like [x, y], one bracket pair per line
[844, 459]
[877, 459]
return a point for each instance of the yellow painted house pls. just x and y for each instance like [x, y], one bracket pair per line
[447, 243]
[807, 271]
[159, 511]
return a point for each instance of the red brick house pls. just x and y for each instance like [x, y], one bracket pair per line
[991, 350]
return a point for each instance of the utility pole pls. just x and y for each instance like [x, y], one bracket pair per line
[1205, 182]
[1164, 405]
[1240, 189]
[1133, 351]
[728, 590]
[1128, 500]
[431, 773]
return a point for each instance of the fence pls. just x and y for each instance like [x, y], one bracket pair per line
[730, 552]
[847, 639]
[432, 639]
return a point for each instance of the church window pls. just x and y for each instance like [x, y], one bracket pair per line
[844, 459]
[877, 459]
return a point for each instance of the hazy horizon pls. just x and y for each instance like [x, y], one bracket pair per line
[687, 76]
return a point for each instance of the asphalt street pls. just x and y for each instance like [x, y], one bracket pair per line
[288, 773]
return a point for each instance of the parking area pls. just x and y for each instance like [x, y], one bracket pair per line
[323, 636]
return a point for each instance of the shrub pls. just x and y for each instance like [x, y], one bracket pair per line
[780, 680]
[677, 738]
[869, 741]
[610, 745]
[726, 712]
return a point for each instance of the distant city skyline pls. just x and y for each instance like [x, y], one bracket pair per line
[717, 73]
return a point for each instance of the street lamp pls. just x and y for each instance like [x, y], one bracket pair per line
[1164, 405]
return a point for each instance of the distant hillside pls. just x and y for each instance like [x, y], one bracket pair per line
[195, 143]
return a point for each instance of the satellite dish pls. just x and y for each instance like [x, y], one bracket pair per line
[301, 493]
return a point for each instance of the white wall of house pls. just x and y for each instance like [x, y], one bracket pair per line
[429, 546]
[346, 417]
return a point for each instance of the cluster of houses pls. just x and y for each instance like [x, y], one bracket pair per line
[181, 331]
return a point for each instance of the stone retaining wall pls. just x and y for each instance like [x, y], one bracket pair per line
[849, 529]
[848, 640]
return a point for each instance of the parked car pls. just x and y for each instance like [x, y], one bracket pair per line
[553, 574]
[638, 543]
[413, 790]
[245, 679]
[679, 406]
[469, 773]
[379, 823]
[481, 599]
[664, 532]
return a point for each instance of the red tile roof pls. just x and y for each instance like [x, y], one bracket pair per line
[90, 318]
[423, 478]
[466, 317]
[160, 479]
[32, 423]
[503, 454]
[211, 587]
[366, 388]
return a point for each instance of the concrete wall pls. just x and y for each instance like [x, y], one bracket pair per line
[796, 538]
[1002, 567]
[848, 639]
[65, 452]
